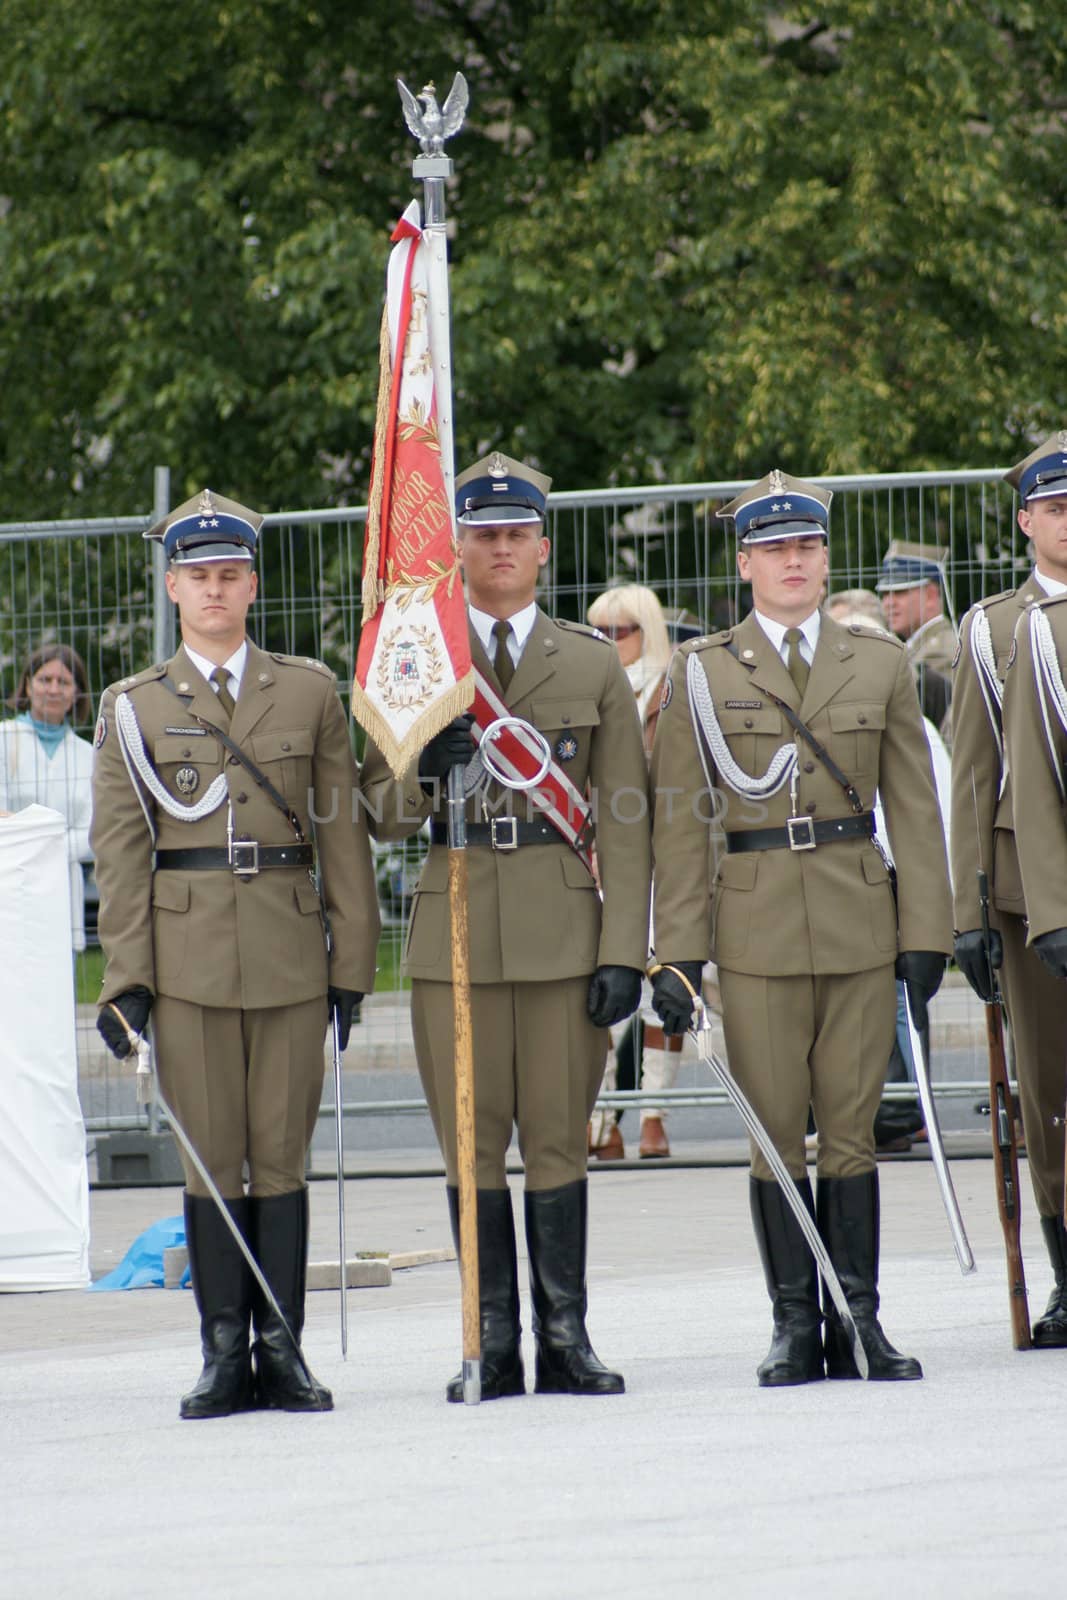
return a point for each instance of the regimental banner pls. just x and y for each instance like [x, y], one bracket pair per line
[413, 667]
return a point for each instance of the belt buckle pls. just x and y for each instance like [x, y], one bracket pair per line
[800, 831]
[240, 848]
[505, 841]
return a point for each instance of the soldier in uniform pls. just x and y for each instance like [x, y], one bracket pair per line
[209, 768]
[912, 589]
[551, 967]
[799, 913]
[1022, 844]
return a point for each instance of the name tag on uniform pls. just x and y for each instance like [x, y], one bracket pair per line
[188, 733]
[744, 705]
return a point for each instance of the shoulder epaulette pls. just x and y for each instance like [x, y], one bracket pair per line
[146, 675]
[724, 636]
[581, 627]
[1050, 600]
[863, 630]
[993, 599]
[301, 661]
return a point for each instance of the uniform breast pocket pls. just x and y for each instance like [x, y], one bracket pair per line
[568, 725]
[187, 763]
[753, 734]
[857, 731]
[285, 757]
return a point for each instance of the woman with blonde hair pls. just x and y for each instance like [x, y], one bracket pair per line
[632, 617]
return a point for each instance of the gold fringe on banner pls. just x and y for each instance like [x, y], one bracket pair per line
[400, 756]
[373, 592]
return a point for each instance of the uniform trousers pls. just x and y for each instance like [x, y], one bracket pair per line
[538, 1062]
[819, 1041]
[245, 1086]
[1036, 1002]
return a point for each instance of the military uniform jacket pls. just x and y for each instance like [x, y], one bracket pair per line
[1040, 822]
[933, 645]
[781, 912]
[989, 839]
[535, 913]
[207, 936]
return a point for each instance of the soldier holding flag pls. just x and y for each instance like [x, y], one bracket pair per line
[551, 966]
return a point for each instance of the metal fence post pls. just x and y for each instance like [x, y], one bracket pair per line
[163, 634]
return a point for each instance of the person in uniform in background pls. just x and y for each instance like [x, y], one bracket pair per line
[551, 968]
[911, 587]
[209, 768]
[631, 616]
[989, 808]
[800, 914]
[44, 762]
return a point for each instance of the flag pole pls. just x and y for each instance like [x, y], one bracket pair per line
[432, 125]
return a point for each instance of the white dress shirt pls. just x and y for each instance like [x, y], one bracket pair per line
[776, 632]
[235, 668]
[521, 627]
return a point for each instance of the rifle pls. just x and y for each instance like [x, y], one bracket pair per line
[1005, 1149]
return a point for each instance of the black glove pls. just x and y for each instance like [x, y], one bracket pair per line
[344, 1005]
[922, 971]
[974, 959]
[452, 747]
[671, 1000]
[1052, 948]
[614, 992]
[135, 1005]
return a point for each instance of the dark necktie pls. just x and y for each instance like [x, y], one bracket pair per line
[222, 678]
[503, 665]
[798, 667]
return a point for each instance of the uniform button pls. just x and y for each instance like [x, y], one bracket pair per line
[809, 766]
[810, 808]
[862, 720]
[565, 719]
[748, 722]
[287, 747]
[232, 761]
[241, 798]
[187, 752]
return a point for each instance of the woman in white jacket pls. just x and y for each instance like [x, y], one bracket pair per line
[43, 761]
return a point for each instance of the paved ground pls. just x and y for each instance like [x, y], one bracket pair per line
[694, 1483]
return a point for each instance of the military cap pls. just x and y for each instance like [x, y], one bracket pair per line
[500, 491]
[780, 507]
[208, 528]
[907, 566]
[1043, 472]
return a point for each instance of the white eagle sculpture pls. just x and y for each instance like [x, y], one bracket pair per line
[430, 123]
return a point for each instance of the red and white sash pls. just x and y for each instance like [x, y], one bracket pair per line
[519, 755]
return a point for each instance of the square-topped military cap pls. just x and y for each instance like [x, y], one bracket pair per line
[780, 507]
[208, 528]
[500, 491]
[907, 566]
[1043, 472]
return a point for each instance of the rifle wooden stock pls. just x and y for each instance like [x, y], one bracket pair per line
[1006, 1172]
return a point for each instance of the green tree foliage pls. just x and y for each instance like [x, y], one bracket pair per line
[693, 238]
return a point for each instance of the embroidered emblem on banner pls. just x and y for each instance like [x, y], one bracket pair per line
[410, 668]
[100, 733]
[187, 780]
[566, 748]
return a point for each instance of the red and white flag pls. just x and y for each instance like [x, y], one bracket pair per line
[413, 667]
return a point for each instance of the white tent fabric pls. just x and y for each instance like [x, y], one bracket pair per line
[44, 1182]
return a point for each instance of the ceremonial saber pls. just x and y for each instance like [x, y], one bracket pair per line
[701, 1033]
[432, 125]
[340, 1136]
[140, 1045]
[964, 1253]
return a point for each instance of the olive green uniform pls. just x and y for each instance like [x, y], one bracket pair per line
[538, 929]
[1033, 996]
[804, 940]
[238, 965]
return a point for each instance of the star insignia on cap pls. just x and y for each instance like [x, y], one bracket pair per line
[209, 522]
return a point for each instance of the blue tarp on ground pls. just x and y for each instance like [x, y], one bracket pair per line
[142, 1265]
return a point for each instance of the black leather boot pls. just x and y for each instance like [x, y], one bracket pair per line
[498, 1293]
[792, 1277]
[1050, 1331]
[279, 1226]
[222, 1284]
[556, 1223]
[848, 1217]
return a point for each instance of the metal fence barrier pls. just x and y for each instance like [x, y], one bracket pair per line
[97, 585]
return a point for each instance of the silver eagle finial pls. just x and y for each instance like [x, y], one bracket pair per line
[430, 123]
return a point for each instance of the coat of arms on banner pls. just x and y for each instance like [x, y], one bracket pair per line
[410, 668]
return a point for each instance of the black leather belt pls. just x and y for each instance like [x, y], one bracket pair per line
[247, 858]
[501, 833]
[802, 833]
